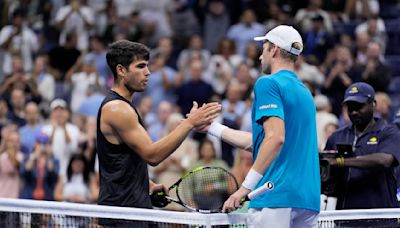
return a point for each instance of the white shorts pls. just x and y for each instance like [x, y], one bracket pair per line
[283, 218]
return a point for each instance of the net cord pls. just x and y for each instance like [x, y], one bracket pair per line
[385, 213]
[100, 211]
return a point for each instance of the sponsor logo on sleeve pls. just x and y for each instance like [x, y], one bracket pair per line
[268, 106]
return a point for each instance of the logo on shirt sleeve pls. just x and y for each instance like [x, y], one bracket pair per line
[372, 141]
[268, 106]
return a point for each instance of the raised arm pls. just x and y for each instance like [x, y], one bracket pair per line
[120, 119]
[237, 138]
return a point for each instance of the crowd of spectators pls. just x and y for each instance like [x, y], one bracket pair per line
[54, 74]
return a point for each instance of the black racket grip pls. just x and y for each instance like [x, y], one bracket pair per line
[158, 199]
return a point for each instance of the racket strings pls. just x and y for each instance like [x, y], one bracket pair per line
[207, 189]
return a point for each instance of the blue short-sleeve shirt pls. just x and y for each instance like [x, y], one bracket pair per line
[295, 171]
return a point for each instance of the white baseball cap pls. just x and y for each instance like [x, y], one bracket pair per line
[283, 36]
[58, 103]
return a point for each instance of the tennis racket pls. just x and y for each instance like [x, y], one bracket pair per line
[204, 190]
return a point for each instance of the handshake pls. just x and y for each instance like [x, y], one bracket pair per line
[201, 118]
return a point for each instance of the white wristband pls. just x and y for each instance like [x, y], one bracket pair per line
[252, 179]
[216, 129]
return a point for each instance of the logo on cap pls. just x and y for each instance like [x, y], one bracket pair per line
[353, 90]
[373, 140]
[360, 92]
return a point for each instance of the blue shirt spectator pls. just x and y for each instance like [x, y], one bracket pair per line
[32, 128]
[28, 135]
[243, 32]
[90, 106]
[161, 85]
[98, 55]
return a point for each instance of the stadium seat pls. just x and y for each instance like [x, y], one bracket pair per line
[394, 87]
[346, 28]
[393, 33]
[393, 61]
[388, 10]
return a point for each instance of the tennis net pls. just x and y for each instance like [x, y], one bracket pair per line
[47, 214]
[32, 213]
[370, 218]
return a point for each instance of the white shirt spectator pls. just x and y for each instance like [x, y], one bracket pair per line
[61, 149]
[379, 28]
[81, 82]
[76, 23]
[219, 71]
[25, 43]
[304, 16]
[323, 117]
[310, 73]
[155, 12]
[125, 7]
[76, 186]
[46, 86]
[373, 7]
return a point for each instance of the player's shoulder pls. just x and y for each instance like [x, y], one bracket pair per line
[270, 81]
[117, 109]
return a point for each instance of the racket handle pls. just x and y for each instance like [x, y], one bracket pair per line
[159, 199]
[261, 190]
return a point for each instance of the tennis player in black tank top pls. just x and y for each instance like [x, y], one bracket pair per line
[124, 146]
[124, 175]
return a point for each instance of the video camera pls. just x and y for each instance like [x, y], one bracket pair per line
[331, 176]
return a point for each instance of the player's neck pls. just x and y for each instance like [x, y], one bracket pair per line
[282, 65]
[122, 91]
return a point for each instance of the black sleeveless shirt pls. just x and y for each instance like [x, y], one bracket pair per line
[124, 179]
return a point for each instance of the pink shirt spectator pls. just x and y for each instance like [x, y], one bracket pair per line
[9, 176]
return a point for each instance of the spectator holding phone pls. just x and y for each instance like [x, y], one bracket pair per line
[368, 180]
[40, 170]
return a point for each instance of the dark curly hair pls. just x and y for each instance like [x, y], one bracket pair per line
[124, 52]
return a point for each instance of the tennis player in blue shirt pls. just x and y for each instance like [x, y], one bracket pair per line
[283, 140]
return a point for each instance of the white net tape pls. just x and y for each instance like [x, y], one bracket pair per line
[326, 218]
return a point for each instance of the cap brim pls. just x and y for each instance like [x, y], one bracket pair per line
[260, 38]
[356, 99]
[58, 106]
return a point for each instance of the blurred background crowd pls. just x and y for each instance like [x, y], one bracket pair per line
[54, 75]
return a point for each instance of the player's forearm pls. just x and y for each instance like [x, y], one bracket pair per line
[237, 138]
[161, 149]
[267, 153]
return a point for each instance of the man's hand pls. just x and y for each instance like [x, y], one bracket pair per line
[201, 128]
[158, 187]
[234, 201]
[199, 117]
